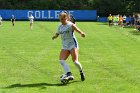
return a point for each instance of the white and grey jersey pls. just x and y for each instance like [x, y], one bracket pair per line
[124, 17]
[31, 18]
[67, 34]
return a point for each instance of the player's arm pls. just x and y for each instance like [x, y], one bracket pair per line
[74, 27]
[55, 36]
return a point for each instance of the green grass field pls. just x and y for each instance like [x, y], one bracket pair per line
[29, 59]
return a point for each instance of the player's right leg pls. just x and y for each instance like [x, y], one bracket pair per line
[13, 23]
[64, 54]
[30, 25]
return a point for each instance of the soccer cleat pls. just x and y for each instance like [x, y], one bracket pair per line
[69, 76]
[82, 76]
[66, 79]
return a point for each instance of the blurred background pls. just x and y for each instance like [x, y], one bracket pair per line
[103, 7]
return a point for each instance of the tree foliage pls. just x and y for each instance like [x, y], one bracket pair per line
[104, 7]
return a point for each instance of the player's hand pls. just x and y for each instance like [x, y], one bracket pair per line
[83, 34]
[53, 37]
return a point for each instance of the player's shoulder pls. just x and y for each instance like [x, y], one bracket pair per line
[59, 25]
[70, 23]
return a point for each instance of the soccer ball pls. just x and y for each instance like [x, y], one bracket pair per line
[63, 79]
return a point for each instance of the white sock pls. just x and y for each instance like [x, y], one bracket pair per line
[65, 66]
[78, 65]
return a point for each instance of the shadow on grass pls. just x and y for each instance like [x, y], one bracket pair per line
[136, 32]
[36, 85]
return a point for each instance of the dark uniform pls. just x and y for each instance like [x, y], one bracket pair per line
[72, 19]
[13, 19]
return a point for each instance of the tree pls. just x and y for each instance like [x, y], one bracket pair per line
[103, 7]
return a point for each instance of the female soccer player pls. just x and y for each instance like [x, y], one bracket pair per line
[13, 20]
[0, 20]
[31, 18]
[69, 43]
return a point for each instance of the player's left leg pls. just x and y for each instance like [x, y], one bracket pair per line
[74, 54]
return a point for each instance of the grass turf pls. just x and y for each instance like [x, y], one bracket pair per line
[29, 59]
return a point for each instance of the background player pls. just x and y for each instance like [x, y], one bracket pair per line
[120, 20]
[110, 20]
[124, 20]
[72, 19]
[0, 20]
[31, 18]
[13, 20]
